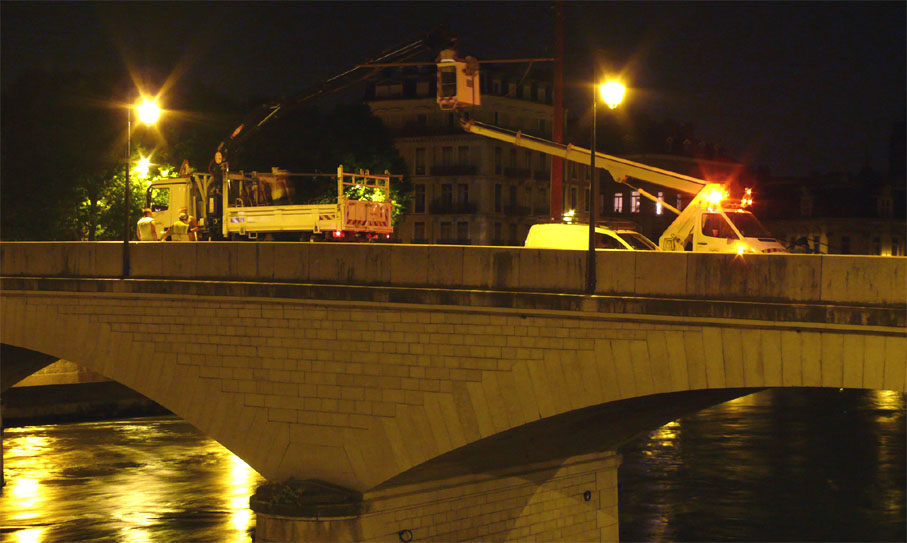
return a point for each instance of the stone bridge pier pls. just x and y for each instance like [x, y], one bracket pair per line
[448, 393]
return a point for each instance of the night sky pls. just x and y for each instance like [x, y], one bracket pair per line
[794, 86]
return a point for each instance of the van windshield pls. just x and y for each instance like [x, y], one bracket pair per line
[604, 241]
[748, 225]
[714, 225]
[638, 241]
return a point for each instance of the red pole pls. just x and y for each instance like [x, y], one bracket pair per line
[557, 128]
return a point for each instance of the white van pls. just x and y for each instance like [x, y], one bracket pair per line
[576, 236]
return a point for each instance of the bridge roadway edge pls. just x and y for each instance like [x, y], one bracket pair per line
[673, 338]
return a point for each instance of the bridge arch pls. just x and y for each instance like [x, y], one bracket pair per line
[356, 393]
[362, 365]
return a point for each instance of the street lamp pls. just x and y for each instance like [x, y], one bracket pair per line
[148, 112]
[612, 93]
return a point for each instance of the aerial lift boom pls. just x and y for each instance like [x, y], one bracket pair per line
[706, 206]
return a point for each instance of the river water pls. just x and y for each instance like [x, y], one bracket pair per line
[779, 465]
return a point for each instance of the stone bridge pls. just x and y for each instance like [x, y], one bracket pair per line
[456, 393]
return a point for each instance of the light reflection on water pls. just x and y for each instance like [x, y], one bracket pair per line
[779, 465]
[133, 481]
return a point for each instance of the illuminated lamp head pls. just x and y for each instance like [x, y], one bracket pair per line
[714, 196]
[747, 199]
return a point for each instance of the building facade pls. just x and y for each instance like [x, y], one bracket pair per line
[468, 189]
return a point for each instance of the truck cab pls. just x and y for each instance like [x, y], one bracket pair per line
[166, 197]
[733, 231]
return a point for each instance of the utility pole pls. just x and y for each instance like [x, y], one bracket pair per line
[557, 128]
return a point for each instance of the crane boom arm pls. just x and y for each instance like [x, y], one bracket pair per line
[619, 168]
[429, 41]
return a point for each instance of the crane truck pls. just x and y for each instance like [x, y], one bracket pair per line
[709, 223]
[236, 205]
[259, 205]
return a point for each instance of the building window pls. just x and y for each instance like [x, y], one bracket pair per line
[679, 205]
[845, 245]
[419, 199]
[445, 230]
[420, 161]
[513, 158]
[496, 87]
[422, 120]
[661, 198]
[573, 198]
[634, 202]
[498, 233]
[422, 88]
[513, 195]
[446, 195]
[895, 247]
[527, 158]
[498, 198]
[447, 156]
[451, 121]
[419, 231]
[618, 202]
[462, 193]
[462, 230]
[463, 155]
[876, 245]
[498, 160]
[586, 200]
[512, 228]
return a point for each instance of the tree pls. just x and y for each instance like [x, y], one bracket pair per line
[51, 139]
[309, 140]
[62, 169]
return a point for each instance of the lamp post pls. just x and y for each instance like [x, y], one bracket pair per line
[149, 112]
[612, 93]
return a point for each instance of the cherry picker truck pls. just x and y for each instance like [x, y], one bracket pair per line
[709, 223]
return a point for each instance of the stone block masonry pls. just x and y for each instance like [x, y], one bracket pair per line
[358, 364]
[568, 500]
[355, 393]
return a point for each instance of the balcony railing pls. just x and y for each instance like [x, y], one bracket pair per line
[456, 169]
[440, 206]
[541, 175]
[541, 210]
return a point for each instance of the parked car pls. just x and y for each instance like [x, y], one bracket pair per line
[576, 236]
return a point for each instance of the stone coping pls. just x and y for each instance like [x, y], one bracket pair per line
[636, 308]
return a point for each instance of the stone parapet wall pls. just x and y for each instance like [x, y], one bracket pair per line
[871, 280]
